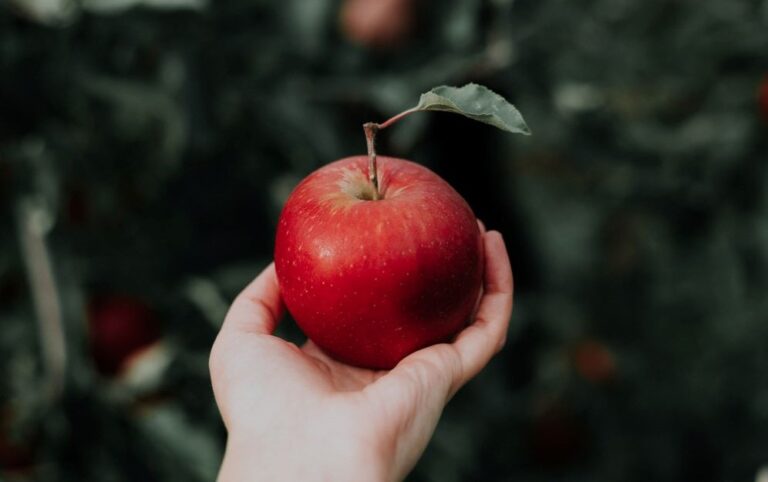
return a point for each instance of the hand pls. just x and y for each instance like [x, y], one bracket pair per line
[295, 414]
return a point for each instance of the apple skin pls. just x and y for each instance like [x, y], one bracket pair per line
[373, 281]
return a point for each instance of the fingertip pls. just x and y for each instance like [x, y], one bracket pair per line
[493, 245]
[498, 269]
[494, 236]
[259, 307]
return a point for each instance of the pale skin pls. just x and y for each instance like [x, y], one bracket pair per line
[293, 413]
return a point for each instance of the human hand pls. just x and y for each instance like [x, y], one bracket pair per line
[295, 414]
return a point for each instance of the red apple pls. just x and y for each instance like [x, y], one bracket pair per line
[121, 327]
[18, 454]
[380, 24]
[371, 281]
[15, 457]
[594, 361]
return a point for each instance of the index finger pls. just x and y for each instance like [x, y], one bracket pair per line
[258, 308]
[480, 341]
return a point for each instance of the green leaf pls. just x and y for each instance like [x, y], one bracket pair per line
[476, 102]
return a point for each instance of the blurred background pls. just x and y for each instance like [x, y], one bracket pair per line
[147, 146]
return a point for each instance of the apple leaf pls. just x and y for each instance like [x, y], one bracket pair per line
[476, 102]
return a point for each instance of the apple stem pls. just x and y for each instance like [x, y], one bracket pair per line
[371, 128]
[396, 118]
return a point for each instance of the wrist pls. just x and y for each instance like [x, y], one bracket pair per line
[318, 455]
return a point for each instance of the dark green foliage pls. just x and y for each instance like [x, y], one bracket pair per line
[151, 149]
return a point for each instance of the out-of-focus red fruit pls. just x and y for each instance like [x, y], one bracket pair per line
[594, 362]
[120, 328]
[17, 456]
[762, 98]
[380, 24]
[557, 438]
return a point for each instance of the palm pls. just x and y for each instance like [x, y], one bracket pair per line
[320, 374]
[268, 364]
[338, 376]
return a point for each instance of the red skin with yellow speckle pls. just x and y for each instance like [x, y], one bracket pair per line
[373, 281]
